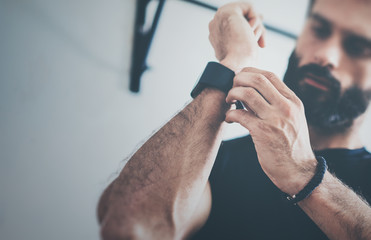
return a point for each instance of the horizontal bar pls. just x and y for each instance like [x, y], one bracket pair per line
[267, 26]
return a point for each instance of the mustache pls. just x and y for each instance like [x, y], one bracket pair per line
[319, 71]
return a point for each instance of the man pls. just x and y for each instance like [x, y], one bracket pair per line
[166, 190]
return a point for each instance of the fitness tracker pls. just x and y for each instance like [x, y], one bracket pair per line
[215, 75]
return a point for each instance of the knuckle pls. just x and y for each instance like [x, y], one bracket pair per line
[249, 92]
[229, 19]
[223, 8]
[298, 103]
[296, 100]
[291, 95]
[259, 79]
[271, 75]
[247, 69]
[288, 110]
[238, 79]
[210, 24]
[233, 93]
[222, 15]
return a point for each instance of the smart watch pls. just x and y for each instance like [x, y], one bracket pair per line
[215, 75]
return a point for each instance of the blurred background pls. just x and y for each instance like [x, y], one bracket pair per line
[68, 121]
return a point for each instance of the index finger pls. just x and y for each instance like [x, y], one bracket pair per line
[277, 83]
[259, 30]
[255, 20]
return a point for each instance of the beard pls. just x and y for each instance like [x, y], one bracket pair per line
[329, 111]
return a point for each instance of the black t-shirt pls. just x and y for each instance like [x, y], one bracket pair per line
[247, 205]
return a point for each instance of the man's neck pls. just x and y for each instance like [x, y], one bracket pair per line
[349, 139]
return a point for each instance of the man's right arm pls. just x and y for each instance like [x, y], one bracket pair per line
[162, 192]
[156, 194]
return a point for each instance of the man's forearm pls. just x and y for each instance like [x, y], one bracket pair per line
[338, 211]
[160, 186]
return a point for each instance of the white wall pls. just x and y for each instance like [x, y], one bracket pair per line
[67, 119]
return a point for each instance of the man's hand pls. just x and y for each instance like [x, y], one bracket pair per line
[277, 124]
[235, 34]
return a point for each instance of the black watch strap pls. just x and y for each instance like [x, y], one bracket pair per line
[215, 75]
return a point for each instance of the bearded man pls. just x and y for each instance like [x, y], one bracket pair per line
[302, 173]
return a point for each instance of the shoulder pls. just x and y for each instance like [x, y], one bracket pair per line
[366, 155]
[361, 158]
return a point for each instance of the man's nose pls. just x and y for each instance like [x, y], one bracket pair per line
[329, 53]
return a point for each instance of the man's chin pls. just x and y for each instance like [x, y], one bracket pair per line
[329, 125]
[328, 109]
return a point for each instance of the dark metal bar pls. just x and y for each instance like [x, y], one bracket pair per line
[142, 42]
[267, 26]
[202, 4]
[280, 31]
[143, 39]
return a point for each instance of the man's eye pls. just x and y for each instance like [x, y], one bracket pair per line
[321, 32]
[357, 48]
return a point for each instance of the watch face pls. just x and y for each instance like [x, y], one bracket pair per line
[215, 75]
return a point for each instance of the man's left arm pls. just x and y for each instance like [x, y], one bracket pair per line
[338, 211]
[276, 121]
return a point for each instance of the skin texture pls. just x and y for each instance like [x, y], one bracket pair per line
[157, 194]
[230, 21]
[163, 193]
[324, 45]
[277, 125]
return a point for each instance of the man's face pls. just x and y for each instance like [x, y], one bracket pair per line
[330, 69]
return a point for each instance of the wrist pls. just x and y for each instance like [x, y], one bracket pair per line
[313, 183]
[328, 182]
[215, 76]
[300, 177]
[214, 104]
[237, 64]
[213, 94]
